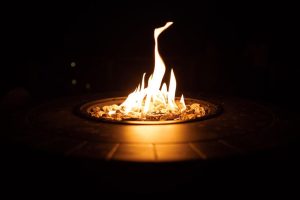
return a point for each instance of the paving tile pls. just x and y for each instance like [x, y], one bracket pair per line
[252, 142]
[215, 149]
[62, 145]
[175, 152]
[94, 150]
[134, 152]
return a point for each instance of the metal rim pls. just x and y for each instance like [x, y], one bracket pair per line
[82, 110]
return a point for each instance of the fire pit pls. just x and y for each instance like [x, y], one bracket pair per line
[151, 104]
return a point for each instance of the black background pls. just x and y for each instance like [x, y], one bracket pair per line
[246, 49]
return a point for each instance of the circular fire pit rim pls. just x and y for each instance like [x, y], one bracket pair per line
[82, 111]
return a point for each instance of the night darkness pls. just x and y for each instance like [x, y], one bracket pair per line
[244, 49]
[239, 49]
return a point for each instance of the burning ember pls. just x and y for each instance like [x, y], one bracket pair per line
[154, 102]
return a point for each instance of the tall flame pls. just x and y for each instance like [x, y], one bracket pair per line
[145, 100]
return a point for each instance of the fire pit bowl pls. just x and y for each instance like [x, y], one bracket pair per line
[211, 110]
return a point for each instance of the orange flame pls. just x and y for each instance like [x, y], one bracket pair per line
[145, 100]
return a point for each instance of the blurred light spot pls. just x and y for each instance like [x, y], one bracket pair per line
[73, 64]
[74, 81]
[87, 86]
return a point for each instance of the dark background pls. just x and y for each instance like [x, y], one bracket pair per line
[244, 49]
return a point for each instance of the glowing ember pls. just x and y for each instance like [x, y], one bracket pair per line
[154, 102]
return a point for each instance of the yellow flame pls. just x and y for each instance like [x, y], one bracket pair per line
[182, 103]
[171, 94]
[144, 99]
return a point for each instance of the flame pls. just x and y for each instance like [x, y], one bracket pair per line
[147, 99]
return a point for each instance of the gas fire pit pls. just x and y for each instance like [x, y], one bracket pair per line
[151, 104]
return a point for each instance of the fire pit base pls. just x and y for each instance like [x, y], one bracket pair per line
[242, 128]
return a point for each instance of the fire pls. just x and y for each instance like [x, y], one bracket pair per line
[155, 98]
[154, 102]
